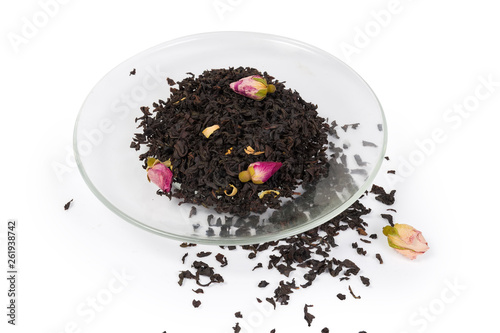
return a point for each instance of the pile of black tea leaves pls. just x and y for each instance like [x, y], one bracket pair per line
[280, 128]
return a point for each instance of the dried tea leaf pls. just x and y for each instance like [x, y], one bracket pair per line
[352, 293]
[259, 265]
[187, 245]
[263, 284]
[192, 212]
[307, 316]
[184, 258]
[271, 300]
[368, 144]
[68, 204]
[170, 81]
[222, 259]
[365, 280]
[389, 218]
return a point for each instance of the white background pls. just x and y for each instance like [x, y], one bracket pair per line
[424, 59]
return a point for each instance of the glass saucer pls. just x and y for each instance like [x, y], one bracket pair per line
[106, 125]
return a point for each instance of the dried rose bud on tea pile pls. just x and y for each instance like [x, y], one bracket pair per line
[236, 140]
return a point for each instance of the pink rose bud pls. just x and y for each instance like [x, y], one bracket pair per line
[406, 240]
[259, 172]
[159, 174]
[254, 87]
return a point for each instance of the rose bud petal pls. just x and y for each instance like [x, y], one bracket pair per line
[406, 240]
[160, 174]
[254, 87]
[260, 172]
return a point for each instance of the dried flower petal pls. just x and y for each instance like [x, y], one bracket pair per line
[233, 193]
[183, 98]
[159, 174]
[254, 87]
[209, 130]
[263, 193]
[406, 240]
[229, 151]
[250, 151]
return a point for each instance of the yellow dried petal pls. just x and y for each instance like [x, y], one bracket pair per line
[263, 193]
[209, 130]
[235, 190]
[249, 150]
[183, 98]
[229, 151]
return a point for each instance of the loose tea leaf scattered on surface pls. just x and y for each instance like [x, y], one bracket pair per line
[389, 218]
[263, 284]
[221, 259]
[68, 204]
[308, 316]
[352, 293]
[365, 280]
[382, 196]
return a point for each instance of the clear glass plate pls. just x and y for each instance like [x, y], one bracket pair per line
[106, 124]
